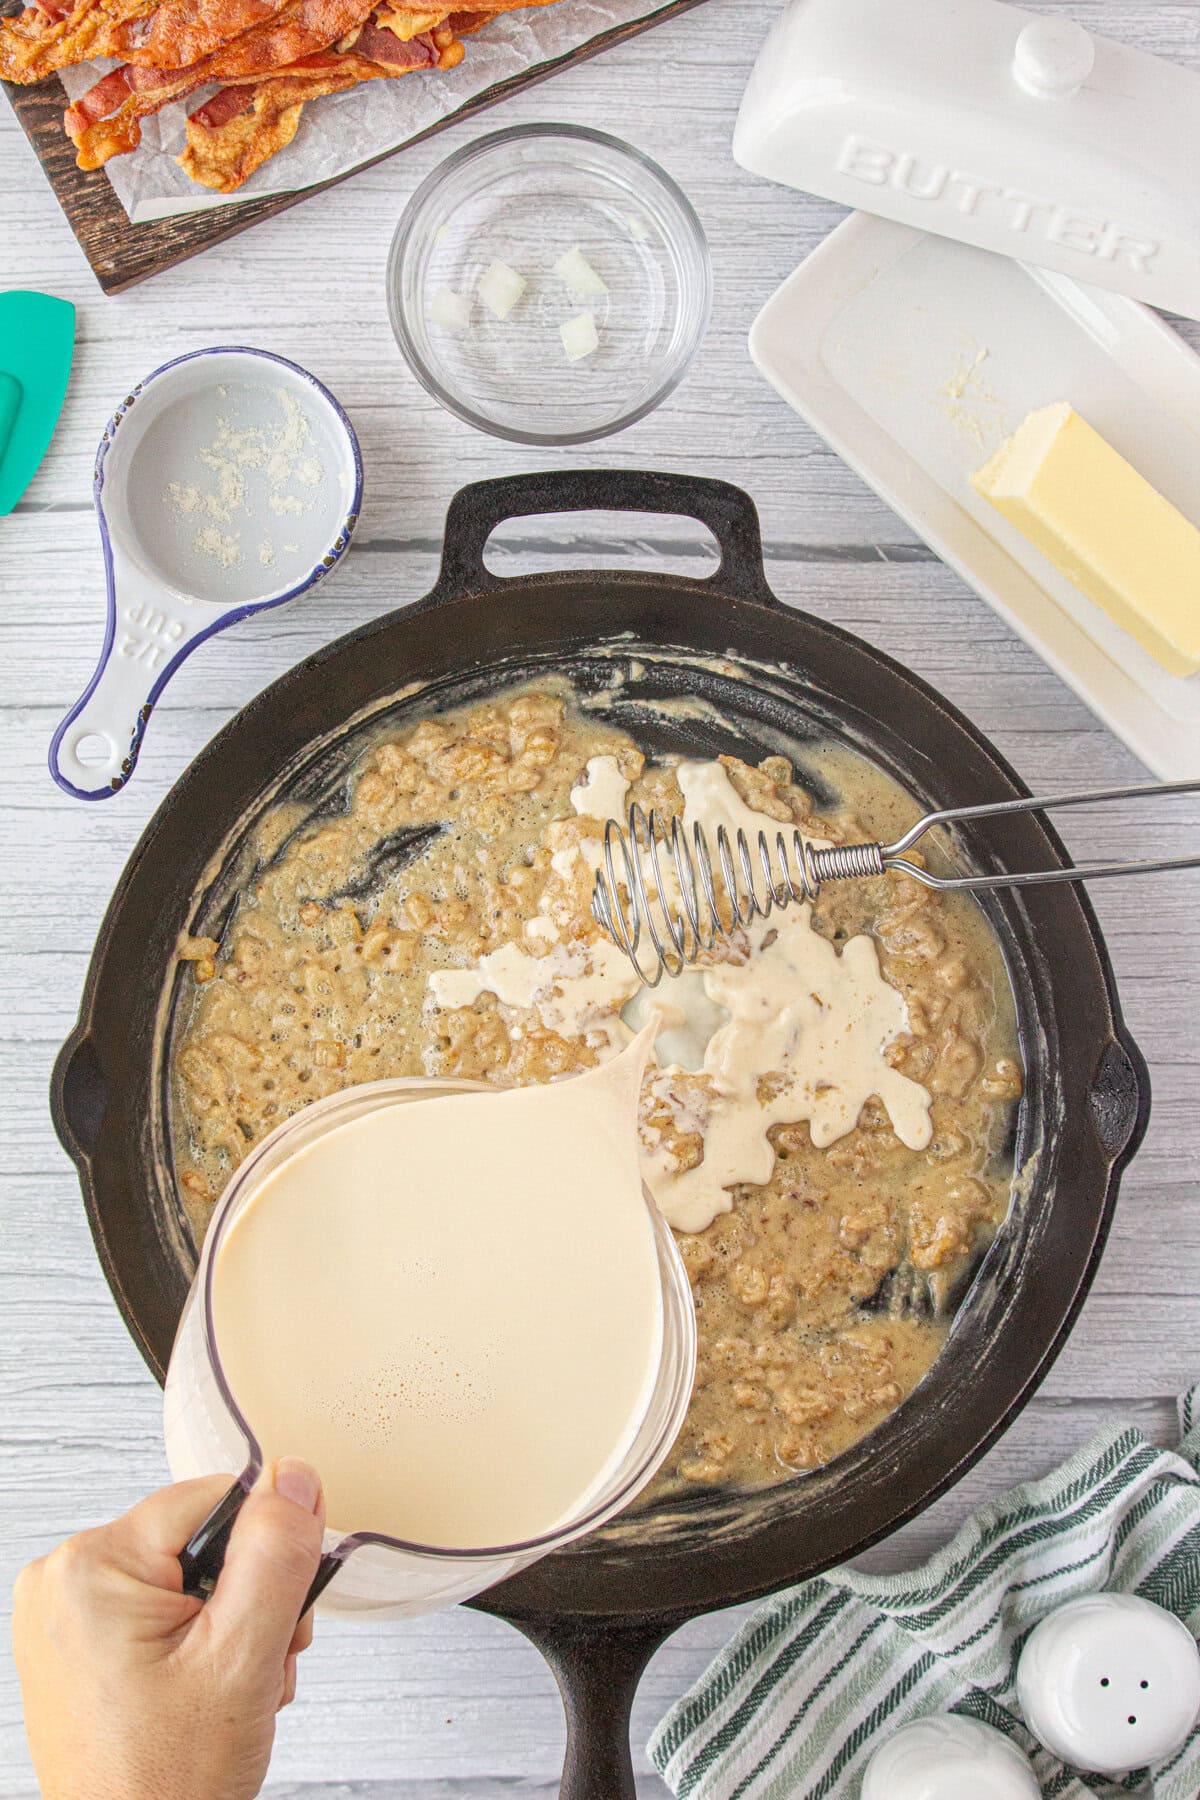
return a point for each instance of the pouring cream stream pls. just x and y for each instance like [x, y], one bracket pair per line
[818, 1021]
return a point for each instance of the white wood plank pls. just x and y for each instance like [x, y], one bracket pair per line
[458, 1707]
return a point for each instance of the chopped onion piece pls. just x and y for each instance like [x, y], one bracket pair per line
[500, 288]
[574, 268]
[450, 310]
[638, 228]
[579, 337]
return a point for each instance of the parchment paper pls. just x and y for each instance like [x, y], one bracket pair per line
[341, 131]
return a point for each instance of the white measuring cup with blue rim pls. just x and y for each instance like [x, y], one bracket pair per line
[229, 480]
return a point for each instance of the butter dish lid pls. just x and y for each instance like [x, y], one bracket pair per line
[1006, 129]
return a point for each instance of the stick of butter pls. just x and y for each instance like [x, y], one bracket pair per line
[1104, 526]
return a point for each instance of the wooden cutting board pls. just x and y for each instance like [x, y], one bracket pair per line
[122, 254]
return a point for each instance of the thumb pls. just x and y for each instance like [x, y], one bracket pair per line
[273, 1553]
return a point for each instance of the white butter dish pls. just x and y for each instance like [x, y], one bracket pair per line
[915, 356]
[988, 123]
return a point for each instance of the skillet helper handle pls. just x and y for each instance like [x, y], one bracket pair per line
[203, 1556]
[1119, 1098]
[597, 1664]
[78, 1095]
[728, 512]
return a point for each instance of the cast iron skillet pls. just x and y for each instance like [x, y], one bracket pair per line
[753, 675]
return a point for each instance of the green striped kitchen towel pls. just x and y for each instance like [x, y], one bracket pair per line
[793, 1708]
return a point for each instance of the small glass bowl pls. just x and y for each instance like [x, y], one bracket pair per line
[524, 197]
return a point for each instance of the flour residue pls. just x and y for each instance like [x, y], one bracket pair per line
[968, 400]
[280, 451]
[222, 547]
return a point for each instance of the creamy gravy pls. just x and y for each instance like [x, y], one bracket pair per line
[806, 1040]
[452, 1308]
[807, 1326]
[812, 1022]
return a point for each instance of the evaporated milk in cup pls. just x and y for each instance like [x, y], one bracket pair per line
[452, 1307]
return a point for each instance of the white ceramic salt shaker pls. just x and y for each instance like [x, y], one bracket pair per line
[946, 1757]
[1110, 1682]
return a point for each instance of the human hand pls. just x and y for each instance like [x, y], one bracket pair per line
[134, 1691]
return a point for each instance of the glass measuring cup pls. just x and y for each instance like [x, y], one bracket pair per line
[206, 1433]
[228, 481]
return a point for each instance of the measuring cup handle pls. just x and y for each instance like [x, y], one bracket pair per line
[203, 1556]
[147, 634]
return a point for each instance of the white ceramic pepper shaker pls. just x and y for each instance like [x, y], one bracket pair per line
[1110, 1682]
[945, 1758]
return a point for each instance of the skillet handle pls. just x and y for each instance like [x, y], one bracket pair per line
[597, 1664]
[476, 511]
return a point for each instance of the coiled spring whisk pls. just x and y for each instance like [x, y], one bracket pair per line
[659, 880]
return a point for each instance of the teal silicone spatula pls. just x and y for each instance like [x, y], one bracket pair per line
[37, 338]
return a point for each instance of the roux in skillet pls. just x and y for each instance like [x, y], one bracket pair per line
[822, 1292]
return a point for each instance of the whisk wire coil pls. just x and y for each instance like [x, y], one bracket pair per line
[686, 904]
[654, 882]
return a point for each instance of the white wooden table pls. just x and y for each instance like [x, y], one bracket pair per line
[458, 1705]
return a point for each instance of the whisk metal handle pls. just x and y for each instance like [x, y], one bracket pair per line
[894, 858]
[655, 882]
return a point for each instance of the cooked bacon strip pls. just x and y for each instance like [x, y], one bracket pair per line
[375, 44]
[158, 34]
[170, 34]
[57, 33]
[239, 128]
[493, 9]
[235, 132]
[178, 33]
[105, 121]
[270, 57]
[225, 105]
[407, 22]
[300, 28]
[227, 141]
